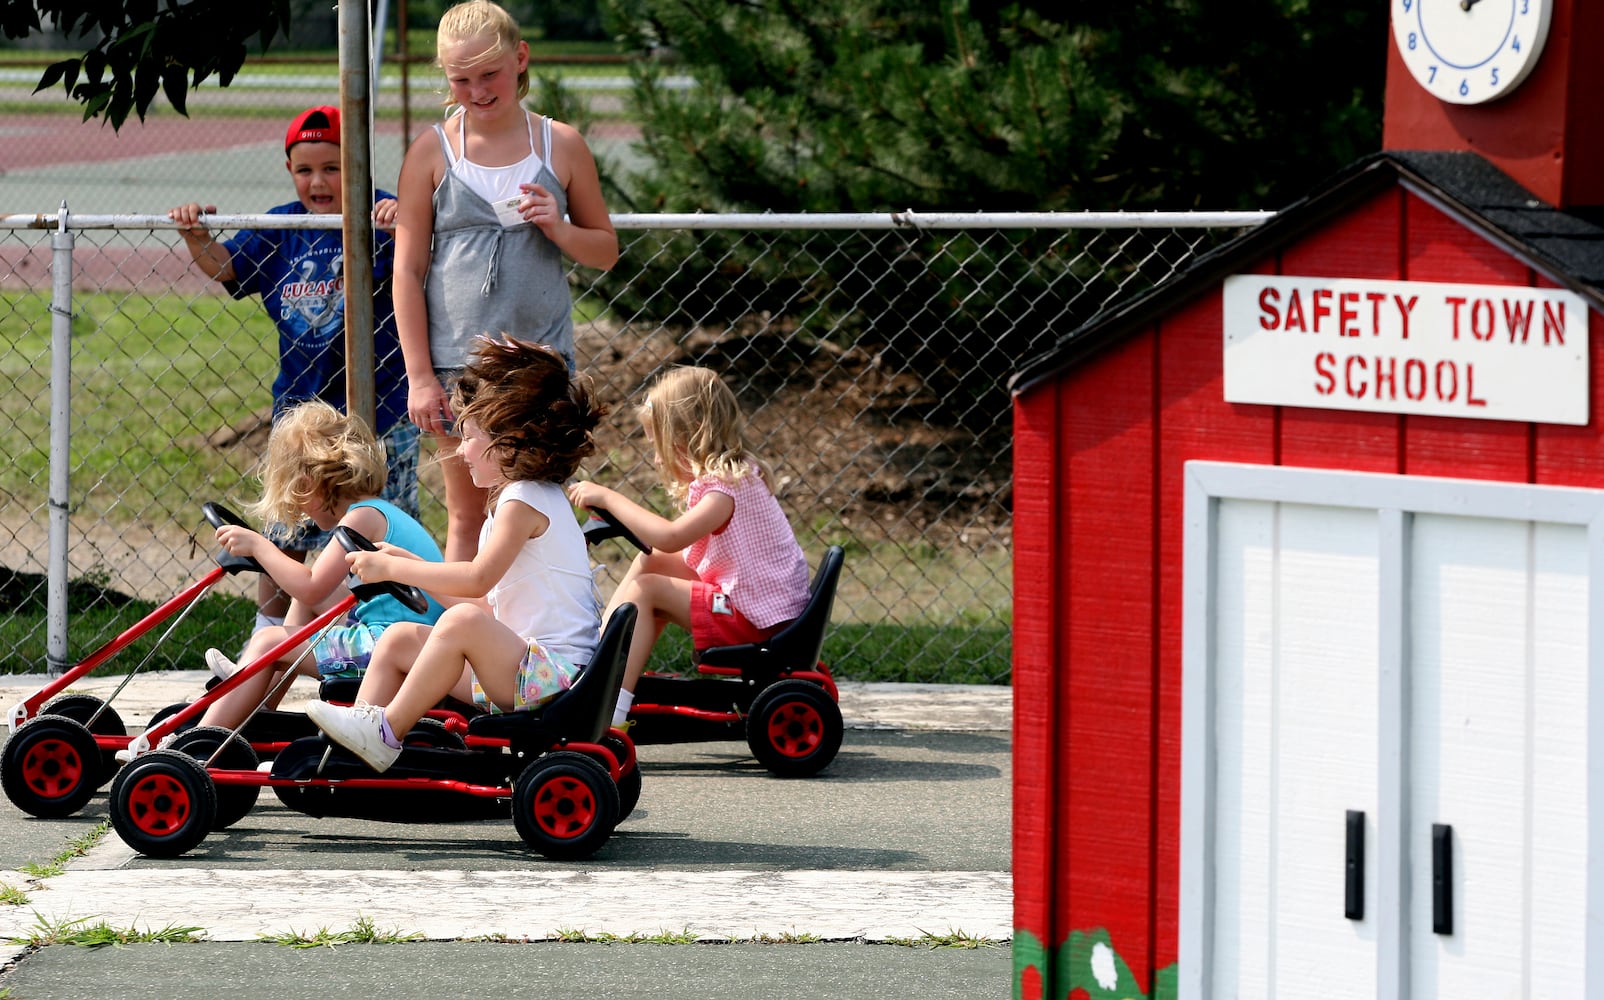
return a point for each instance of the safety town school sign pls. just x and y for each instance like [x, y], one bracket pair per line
[1492, 352]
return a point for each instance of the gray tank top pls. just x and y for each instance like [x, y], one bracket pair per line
[486, 280]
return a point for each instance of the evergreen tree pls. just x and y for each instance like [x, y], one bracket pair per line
[1040, 105]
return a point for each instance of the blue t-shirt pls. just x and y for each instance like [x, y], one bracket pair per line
[402, 531]
[298, 273]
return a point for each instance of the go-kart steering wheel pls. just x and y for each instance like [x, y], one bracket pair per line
[218, 515]
[602, 525]
[412, 597]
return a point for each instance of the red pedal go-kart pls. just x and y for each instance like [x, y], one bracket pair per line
[777, 694]
[63, 746]
[565, 776]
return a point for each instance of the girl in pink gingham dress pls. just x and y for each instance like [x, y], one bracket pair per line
[729, 568]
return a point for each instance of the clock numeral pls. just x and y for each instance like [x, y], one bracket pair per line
[1412, 41]
[1525, 7]
[1464, 87]
[1494, 81]
[1408, 5]
[1431, 73]
[1515, 45]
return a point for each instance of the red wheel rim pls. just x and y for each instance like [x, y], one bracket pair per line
[158, 804]
[565, 807]
[796, 729]
[52, 768]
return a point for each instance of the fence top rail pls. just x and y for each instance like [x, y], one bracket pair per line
[63, 219]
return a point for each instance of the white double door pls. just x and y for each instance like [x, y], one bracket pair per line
[1386, 731]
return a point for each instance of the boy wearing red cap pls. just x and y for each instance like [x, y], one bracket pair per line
[298, 273]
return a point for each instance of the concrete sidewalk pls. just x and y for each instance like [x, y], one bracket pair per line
[943, 707]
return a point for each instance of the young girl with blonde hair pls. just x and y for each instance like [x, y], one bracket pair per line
[728, 569]
[327, 467]
[491, 200]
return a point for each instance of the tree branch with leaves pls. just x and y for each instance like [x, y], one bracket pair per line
[137, 49]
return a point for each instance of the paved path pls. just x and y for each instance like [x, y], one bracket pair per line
[904, 836]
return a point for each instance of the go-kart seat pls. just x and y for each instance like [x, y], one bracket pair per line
[584, 712]
[795, 647]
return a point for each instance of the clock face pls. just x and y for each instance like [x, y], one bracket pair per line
[1470, 51]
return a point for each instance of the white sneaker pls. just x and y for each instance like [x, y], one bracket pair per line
[359, 728]
[126, 754]
[221, 666]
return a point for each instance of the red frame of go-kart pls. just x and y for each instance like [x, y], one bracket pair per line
[29, 707]
[154, 734]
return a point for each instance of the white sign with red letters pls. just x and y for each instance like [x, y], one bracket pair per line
[1491, 352]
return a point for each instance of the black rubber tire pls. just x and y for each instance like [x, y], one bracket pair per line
[81, 708]
[794, 728]
[50, 766]
[629, 782]
[163, 803]
[432, 733]
[167, 712]
[565, 805]
[234, 802]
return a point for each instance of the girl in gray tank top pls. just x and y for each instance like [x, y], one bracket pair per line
[491, 271]
[490, 263]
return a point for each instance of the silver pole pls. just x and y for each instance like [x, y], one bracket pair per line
[356, 168]
[61, 241]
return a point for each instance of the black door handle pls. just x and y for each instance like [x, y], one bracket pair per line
[1353, 906]
[1442, 878]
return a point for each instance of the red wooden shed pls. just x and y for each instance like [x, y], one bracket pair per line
[1118, 425]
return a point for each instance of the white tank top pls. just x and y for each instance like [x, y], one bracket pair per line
[548, 593]
[495, 184]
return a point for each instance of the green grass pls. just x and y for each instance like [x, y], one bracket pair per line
[364, 931]
[217, 620]
[84, 934]
[152, 376]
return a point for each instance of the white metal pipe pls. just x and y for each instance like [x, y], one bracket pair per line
[61, 242]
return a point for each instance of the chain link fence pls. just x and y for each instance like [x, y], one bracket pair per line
[870, 353]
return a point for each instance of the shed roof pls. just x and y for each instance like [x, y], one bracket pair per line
[1565, 247]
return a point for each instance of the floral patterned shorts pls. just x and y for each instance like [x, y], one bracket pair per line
[542, 676]
[344, 650]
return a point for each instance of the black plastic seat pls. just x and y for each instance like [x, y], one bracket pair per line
[584, 712]
[795, 647]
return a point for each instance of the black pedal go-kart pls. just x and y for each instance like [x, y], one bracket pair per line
[777, 695]
[565, 777]
[63, 745]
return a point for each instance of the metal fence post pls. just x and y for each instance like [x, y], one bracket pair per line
[60, 443]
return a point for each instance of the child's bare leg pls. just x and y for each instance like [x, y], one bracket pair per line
[235, 707]
[306, 667]
[664, 563]
[465, 633]
[393, 656]
[465, 504]
[659, 599]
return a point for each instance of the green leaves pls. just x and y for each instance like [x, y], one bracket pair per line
[135, 50]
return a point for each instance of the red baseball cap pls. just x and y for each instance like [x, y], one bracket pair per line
[319, 124]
